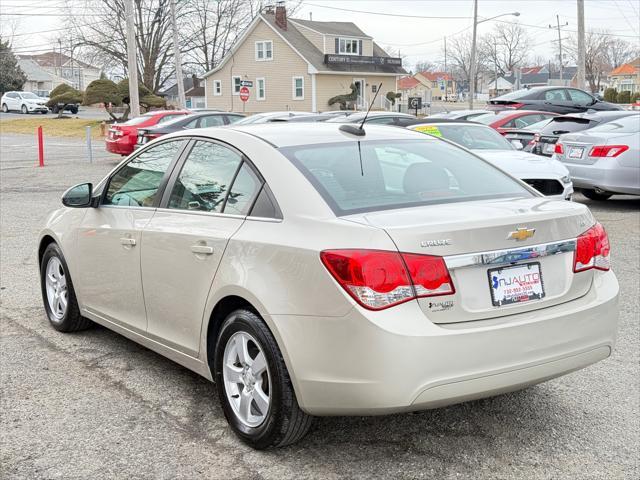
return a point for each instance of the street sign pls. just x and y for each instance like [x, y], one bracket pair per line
[415, 103]
[244, 94]
[246, 83]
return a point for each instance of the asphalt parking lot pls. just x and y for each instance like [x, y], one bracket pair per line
[96, 405]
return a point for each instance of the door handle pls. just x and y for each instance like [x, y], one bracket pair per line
[128, 241]
[202, 249]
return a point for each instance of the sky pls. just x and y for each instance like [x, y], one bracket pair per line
[416, 38]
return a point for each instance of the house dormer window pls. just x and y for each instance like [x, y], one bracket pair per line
[264, 51]
[349, 46]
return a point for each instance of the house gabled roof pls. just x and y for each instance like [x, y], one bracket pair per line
[435, 76]
[624, 69]
[331, 28]
[308, 51]
[55, 59]
[172, 91]
[35, 73]
[407, 83]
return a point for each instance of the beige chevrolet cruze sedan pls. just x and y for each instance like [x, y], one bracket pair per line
[320, 270]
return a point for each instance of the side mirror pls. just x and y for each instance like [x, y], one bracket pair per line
[79, 196]
[517, 144]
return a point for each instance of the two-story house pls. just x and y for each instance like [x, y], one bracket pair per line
[78, 74]
[296, 64]
[626, 77]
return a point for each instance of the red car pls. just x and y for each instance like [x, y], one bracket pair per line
[122, 137]
[505, 120]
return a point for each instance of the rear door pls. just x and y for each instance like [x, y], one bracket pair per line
[205, 203]
[557, 100]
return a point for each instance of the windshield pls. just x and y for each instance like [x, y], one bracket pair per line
[518, 94]
[252, 119]
[630, 124]
[473, 137]
[398, 174]
[561, 125]
[29, 95]
[536, 127]
[488, 118]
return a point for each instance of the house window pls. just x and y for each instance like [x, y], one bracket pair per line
[298, 88]
[217, 88]
[264, 51]
[237, 84]
[349, 46]
[261, 93]
[374, 88]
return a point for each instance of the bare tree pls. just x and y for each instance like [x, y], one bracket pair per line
[459, 59]
[426, 66]
[597, 44]
[620, 51]
[506, 47]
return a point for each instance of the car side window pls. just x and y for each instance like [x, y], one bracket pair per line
[166, 118]
[580, 97]
[211, 121]
[555, 95]
[136, 183]
[204, 180]
[192, 124]
[381, 120]
[243, 192]
[234, 118]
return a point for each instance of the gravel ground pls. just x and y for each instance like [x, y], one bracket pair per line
[96, 405]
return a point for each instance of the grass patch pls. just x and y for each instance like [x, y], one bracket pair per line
[53, 127]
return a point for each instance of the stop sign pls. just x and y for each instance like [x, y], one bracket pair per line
[244, 94]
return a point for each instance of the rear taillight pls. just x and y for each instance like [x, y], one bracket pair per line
[608, 150]
[558, 149]
[379, 279]
[592, 250]
[514, 106]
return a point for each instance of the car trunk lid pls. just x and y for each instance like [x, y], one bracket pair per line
[474, 238]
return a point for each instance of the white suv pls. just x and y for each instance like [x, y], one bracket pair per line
[25, 102]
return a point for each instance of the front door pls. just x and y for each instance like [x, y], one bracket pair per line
[205, 203]
[110, 237]
[361, 100]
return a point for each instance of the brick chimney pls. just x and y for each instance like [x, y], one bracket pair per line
[196, 81]
[281, 15]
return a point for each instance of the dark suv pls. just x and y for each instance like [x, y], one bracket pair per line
[561, 100]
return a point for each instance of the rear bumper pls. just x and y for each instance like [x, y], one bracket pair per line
[368, 363]
[120, 147]
[606, 175]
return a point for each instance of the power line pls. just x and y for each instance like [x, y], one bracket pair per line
[572, 31]
[386, 14]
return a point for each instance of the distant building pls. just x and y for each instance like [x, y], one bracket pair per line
[39, 80]
[626, 78]
[295, 64]
[193, 91]
[76, 73]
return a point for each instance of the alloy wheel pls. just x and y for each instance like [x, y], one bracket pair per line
[56, 286]
[247, 381]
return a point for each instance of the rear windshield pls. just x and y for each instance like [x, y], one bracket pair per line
[473, 137]
[355, 177]
[488, 118]
[517, 95]
[630, 124]
[561, 125]
[138, 120]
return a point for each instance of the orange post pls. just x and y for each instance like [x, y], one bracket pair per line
[40, 147]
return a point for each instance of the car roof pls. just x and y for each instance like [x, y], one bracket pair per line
[284, 134]
[600, 114]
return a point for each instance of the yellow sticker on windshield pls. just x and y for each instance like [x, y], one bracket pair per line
[429, 130]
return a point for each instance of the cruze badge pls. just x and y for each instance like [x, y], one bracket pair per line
[521, 234]
[435, 243]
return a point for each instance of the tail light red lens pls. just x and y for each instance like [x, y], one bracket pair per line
[379, 279]
[514, 106]
[559, 148]
[608, 150]
[592, 250]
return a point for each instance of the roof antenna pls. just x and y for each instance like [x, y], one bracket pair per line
[359, 131]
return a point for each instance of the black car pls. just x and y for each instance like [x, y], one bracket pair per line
[194, 120]
[545, 140]
[561, 100]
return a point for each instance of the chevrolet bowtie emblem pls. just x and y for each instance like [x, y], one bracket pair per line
[521, 234]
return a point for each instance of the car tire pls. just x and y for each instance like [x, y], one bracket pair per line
[593, 195]
[44, 112]
[5, 109]
[24, 110]
[55, 278]
[284, 422]
[74, 110]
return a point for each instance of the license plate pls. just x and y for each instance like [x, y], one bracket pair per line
[517, 284]
[549, 147]
[576, 152]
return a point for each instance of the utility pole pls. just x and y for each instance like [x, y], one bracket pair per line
[495, 66]
[472, 67]
[60, 57]
[581, 47]
[560, 42]
[446, 75]
[134, 98]
[182, 101]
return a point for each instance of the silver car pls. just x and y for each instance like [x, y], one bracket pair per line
[331, 271]
[605, 159]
